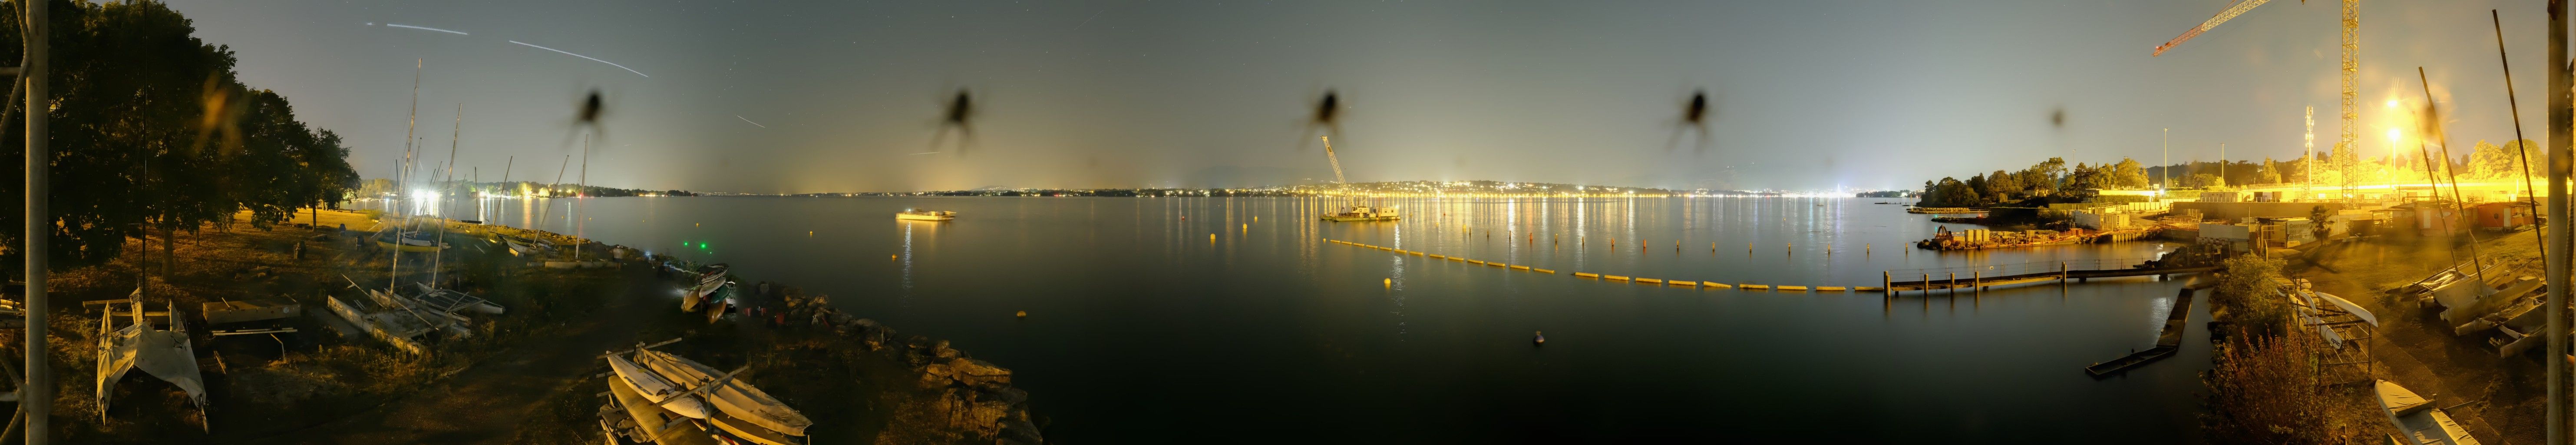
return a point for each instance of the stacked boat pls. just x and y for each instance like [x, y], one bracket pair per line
[406, 321]
[712, 295]
[661, 393]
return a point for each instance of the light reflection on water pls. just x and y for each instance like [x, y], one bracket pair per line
[1141, 328]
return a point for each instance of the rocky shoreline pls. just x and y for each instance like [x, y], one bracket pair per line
[973, 400]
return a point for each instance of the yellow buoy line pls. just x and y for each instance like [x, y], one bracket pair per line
[1621, 278]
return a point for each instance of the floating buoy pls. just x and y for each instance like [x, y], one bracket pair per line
[1024, 314]
[809, 233]
[1538, 338]
[1390, 282]
[891, 257]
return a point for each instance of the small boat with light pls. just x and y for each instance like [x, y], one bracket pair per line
[925, 215]
[1363, 213]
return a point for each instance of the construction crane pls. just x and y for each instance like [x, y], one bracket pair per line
[2351, 72]
[1337, 161]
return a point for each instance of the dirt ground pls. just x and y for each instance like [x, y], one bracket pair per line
[2498, 399]
[528, 376]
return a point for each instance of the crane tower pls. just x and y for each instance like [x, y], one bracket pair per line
[2345, 158]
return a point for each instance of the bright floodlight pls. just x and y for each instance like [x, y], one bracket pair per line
[2392, 135]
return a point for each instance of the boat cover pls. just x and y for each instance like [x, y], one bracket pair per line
[2415, 416]
[2347, 306]
[2397, 400]
[734, 398]
[163, 354]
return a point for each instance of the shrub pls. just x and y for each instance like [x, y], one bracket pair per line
[2250, 291]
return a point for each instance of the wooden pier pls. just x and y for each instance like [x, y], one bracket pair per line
[1895, 282]
[2166, 342]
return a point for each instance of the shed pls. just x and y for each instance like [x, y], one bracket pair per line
[2510, 215]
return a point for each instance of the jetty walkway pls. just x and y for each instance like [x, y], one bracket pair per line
[2167, 341]
[1984, 276]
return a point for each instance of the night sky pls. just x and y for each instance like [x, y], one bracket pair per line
[1805, 95]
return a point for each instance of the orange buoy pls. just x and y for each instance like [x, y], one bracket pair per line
[1024, 314]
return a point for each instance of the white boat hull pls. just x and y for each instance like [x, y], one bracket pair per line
[656, 389]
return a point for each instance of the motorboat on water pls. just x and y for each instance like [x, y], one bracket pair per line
[1364, 213]
[2417, 420]
[925, 215]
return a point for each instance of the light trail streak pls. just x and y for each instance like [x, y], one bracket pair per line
[614, 64]
[748, 121]
[425, 28]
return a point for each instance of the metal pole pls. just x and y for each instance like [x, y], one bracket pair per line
[2522, 150]
[2562, 113]
[38, 395]
[2459, 204]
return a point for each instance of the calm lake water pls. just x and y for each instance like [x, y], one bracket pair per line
[1144, 328]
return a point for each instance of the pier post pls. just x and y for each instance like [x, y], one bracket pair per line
[1978, 279]
[1954, 283]
[2061, 276]
[1886, 285]
[1927, 285]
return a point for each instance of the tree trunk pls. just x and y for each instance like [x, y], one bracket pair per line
[169, 249]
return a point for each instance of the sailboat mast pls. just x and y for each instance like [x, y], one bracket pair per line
[445, 182]
[393, 270]
[581, 195]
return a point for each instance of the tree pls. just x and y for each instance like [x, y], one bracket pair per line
[2088, 177]
[149, 128]
[2200, 180]
[2005, 186]
[1978, 187]
[2252, 296]
[2488, 161]
[2127, 175]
